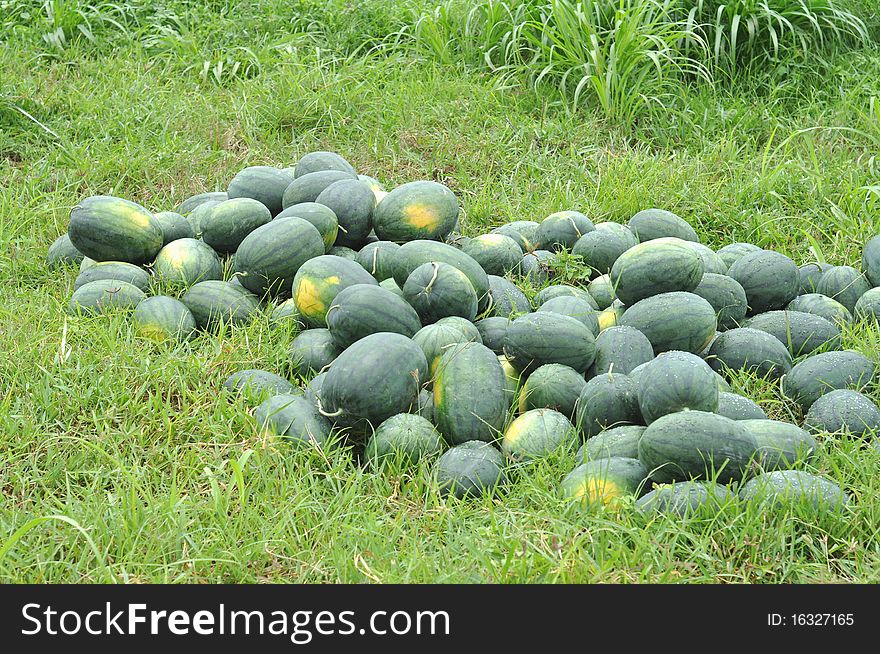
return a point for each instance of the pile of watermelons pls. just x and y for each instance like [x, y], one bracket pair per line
[419, 342]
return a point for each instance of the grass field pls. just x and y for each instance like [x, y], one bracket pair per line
[123, 461]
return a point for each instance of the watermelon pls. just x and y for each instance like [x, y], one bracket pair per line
[373, 379]
[622, 441]
[363, 309]
[256, 385]
[174, 226]
[187, 261]
[470, 469]
[470, 394]
[602, 291]
[193, 202]
[506, 298]
[312, 350]
[538, 338]
[676, 381]
[649, 224]
[421, 210]
[600, 248]
[606, 401]
[809, 275]
[712, 262]
[780, 444]
[726, 296]
[819, 374]
[735, 251]
[844, 284]
[536, 434]
[524, 232]
[286, 313]
[604, 481]
[466, 327]
[270, 256]
[787, 488]
[685, 498]
[871, 261]
[562, 290]
[343, 252]
[162, 318]
[750, 349]
[200, 214]
[126, 272]
[696, 445]
[822, 306]
[307, 188]
[769, 279]
[562, 230]
[319, 280]
[320, 216]
[264, 184]
[321, 160]
[552, 386]
[737, 407]
[435, 339]
[621, 350]
[437, 290]
[654, 267]
[868, 306]
[294, 419]
[312, 390]
[105, 228]
[496, 253]
[413, 254]
[225, 227]
[391, 285]
[103, 295]
[375, 186]
[801, 333]
[576, 308]
[212, 302]
[353, 203]
[62, 253]
[492, 332]
[537, 266]
[843, 410]
[404, 439]
[673, 321]
[378, 259]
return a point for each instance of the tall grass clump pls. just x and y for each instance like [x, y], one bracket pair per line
[742, 34]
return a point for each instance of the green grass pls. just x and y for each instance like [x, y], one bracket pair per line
[123, 460]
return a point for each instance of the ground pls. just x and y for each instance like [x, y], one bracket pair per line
[121, 460]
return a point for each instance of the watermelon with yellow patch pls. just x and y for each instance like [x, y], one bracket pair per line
[163, 318]
[319, 280]
[537, 434]
[187, 261]
[105, 228]
[417, 210]
[435, 339]
[604, 481]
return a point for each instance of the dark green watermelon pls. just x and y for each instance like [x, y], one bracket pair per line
[821, 373]
[538, 338]
[174, 226]
[780, 444]
[844, 284]
[435, 339]
[604, 481]
[492, 332]
[786, 488]
[378, 259]
[363, 309]
[353, 203]
[264, 184]
[676, 381]
[496, 253]
[843, 410]
[269, 257]
[321, 216]
[524, 232]
[770, 280]
[312, 350]
[653, 267]
[437, 290]
[736, 251]
[193, 202]
[622, 441]
[606, 401]
[294, 420]
[552, 386]
[537, 266]
[307, 188]
[212, 302]
[470, 394]
[562, 290]
[470, 469]
[537, 434]
[602, 291]
[871, 261]
[737, 407]
[187, 261]
[576, 308]
[413, 254]
[562, 230]
[649, 224]
[416, 211]
[403, 439]
[749, 349]
[163, 318]
[103, 295]
[685, 498]
[621, 350]
[823, 306]
[105, 228]
[322, 160]
[225, 227]
[673, 321]
[319, 280]
[600, 248]
[809, 275]
[256, 385]
[800, 333]
[506, 298]
[126, 272]
[62, 253]
[868, 306]
[726, 296]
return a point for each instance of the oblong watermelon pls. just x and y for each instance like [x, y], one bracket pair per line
[103, 295]
[212, 302]
[562, 230]
[256, 385]
[195, 201]
[307, 188]
[621, 350]
[649, 224]
[470, 469]
[676, 381]
[312, 350]
[413, 254]
[726, 296]
[524, 232]
[622, 441]
[353, 203]
[801, 333]
[162, 318]
[536, 434]
[823, 306]
[187, 261]
[470, 394]
[607, 401]
[782, 488]
[673, 321]
[225, 227]
[844, 284]
[437, 290]
[416, 211]
[363, 309]
[321, 216]
[871, 261]
[654, 267]
[780, 444]
[600, 248]
[404, 439]
[322, 160]
[62, 253]
[268, 258]
[749, 349]
[106, 228]
[294, 419]
[264, 184]
[435, 339]
[174, 226]
[506, 298]
[496, 253]
[573, 307]
[734, 251]
[604, 481]
[319, 280]
[126, 272]
[492, 332]
[770, 280]
[552, 386]
[843, 411]
[538, 338]
[378, 259]
[738, 407]
[685, 498]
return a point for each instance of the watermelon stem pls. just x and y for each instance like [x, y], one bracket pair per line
[335, 414]
[433, 277]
